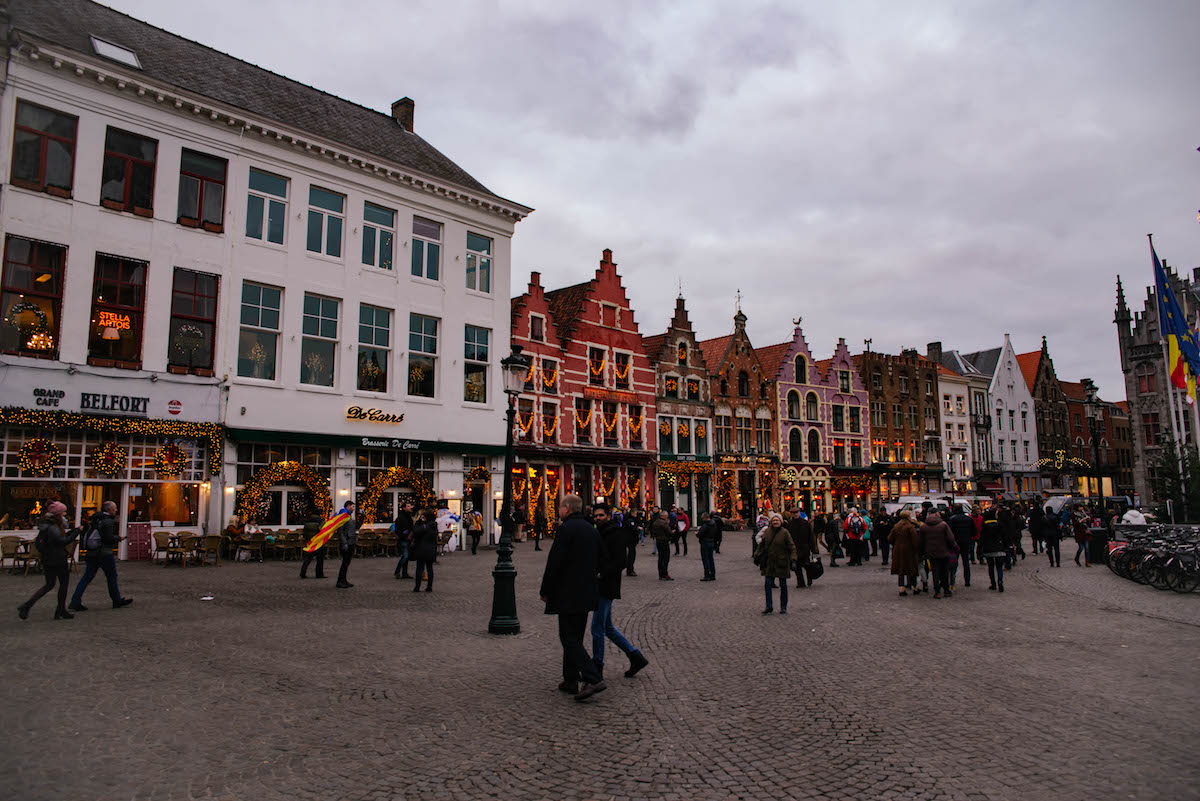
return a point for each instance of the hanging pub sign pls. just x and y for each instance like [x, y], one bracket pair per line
[372, 415]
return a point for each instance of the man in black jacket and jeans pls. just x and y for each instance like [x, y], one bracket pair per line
[101, 557]
[569, 591]
[403, 526]
[612, 561]
[963, 529]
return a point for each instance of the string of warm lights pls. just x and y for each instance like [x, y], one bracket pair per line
[39, 457]
[549, 380]
[664, 428]
[394, 477]
[548, 430]
[635, 424]
[585, 422]
[609, 425]
[598, 370]
[701, 431]
[621, 376]
[607, 490]
[683, 429]
[170, 460]
[211, 434]
[250, 498]
[109, 459]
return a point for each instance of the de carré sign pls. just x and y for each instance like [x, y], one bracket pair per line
[398, 444]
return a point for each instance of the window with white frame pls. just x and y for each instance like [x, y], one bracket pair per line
[374, 347]
[326, 216]
[426, 248]
[422, 355]
[475, 365]
[379, 236]
[318, 347]
[266, 206]
[258, 337]
[479, 262]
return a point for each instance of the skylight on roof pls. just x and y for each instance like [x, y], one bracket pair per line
[116, 53]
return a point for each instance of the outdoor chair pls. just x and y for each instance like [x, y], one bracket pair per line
[210, 544]
[9, 547]
[30, 558]
[162, 544]
[252, 546]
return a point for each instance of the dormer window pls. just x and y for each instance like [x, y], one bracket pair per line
[537, 328]
[681, 354]
[114, 52]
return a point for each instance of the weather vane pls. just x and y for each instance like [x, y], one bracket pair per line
[797, 320]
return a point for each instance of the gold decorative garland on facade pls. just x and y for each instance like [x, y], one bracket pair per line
[394, 477]
[39, 456]
[275, 473]
[109, 459]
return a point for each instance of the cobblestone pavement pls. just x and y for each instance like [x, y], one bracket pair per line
[282, 689]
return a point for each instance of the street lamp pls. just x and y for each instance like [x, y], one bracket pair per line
[1094, 414]
[504, 578]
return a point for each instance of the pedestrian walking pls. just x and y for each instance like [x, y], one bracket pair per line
[963, 528]
[855, 528]
[101, 539]
[629, 525]
[312, 527]
[660, 529]
[403, 526]
[936, 543]
[473, 522]
[992, 548]
[707, 535]
[684, 524]
[883, 530]
[774, 557]
[1051, 535]
[977, 516]
[833, 539]
[569, 590]
[347, 537]
[52, 543]
[802, 536]
[1079, 522]
[612, 563]
[818, 527]
[1037, 524]
[864, 546]
[541, 526]
[903, 539]
[424, 548]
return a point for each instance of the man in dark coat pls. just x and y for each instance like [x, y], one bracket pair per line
[347, 537]
[629, 525]
[802, 535]
[706, 535]
[660, 529]
[1036, 522]
[936, 543]
[312, 527]
[569, 591]
[101, 557]
[613, 539]
[403, 526]
[963, 528]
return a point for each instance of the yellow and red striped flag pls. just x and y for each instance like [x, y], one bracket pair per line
[331, 525]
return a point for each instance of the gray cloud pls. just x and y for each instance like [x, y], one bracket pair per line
[906, 172]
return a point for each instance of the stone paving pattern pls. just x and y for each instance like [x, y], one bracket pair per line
[1074, 684]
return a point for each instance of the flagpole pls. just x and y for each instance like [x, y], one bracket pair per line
[1176, 418]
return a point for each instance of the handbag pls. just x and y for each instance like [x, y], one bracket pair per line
[814, 569]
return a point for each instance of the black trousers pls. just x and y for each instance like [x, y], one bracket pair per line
[801, 578]
[885, 548]
[1054, 551]
[681, 539]
[53, 575]
[347, 557]
[940, 567]
[964, 561]
[664, 558]
[474, 535]
[319, 555]
[630, 556]
[576, 663]
[424, 569]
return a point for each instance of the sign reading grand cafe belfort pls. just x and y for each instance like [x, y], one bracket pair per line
[213, 306]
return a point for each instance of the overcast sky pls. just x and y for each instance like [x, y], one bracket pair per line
[907, 172]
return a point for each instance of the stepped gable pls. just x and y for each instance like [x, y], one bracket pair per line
[203, 71]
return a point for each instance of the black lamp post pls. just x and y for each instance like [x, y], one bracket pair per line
[1094, 419]
[504, 578]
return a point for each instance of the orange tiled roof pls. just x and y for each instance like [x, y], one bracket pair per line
[713, 350]
[1073, 390]
[1029, 366]
[771, 357]
[946, 371]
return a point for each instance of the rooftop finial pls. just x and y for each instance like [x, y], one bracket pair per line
[739, 301]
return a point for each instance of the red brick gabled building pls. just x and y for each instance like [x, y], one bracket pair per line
[586, 420]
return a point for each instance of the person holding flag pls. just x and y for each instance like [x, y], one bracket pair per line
[347, 530]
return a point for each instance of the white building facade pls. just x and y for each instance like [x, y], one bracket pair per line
[236, 283]
[1014, 426]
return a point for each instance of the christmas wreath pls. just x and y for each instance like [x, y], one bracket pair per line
[109, 459]
[664, 428]
[170, 460]
[39, 457]
[41, 324]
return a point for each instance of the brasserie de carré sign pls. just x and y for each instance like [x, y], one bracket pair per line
[372, 415]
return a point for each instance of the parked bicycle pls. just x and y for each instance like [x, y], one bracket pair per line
[1161, 556]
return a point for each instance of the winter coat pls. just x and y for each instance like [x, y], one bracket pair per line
[935, 540]
[660, 530]
[818, 526]
[348, 533]
[802, 536]
[1037, 520]
[963, 528]
[403, 524]
[780, 549]
[424, 541]
[904, 548]
[569, 580]
[708, 532]
[612, 561]
[991, 541]
[52, 543]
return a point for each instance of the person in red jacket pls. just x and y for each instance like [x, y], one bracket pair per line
[977, 516]
[854, 528]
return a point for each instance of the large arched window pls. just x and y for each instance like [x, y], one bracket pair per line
[801, 370]
[796, 445]
[743, 385]
[814, 446]
[811, 407]
[793, 405]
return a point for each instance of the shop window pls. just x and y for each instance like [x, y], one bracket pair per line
[318, 346]
[266, 206]
[193, 320]
[475, 366]
[326, 217]
[44, 149]
[202, 190]
[253, 456]
[379, 236]
[422, 355]
[31, 297]
[127, 180]
[118, 297]
[479, 263]
[169, 503]
[258, 337]
[374, 347]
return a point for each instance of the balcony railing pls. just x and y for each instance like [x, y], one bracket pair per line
[981, 421]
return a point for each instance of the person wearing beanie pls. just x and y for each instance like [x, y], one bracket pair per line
[52, 543]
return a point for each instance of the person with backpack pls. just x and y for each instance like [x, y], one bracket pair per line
[993, 548]
[99, 541]
[473, 523]
[854, 528]
[52, 542]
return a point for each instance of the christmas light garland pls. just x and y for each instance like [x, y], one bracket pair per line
[664, 428]
[394, 477]
[683, 429]
[170, 460]
[612, 485]
[585, 423]
[622, 376]
[39, 457]
[251, 495]
[635, 425]
[548, 431]
[212, 434]
[109, 459]
[701, 431]
[524, 424]
[549, 381]
[609, 425]
[41, 326]
[685, 467]
[598, 370]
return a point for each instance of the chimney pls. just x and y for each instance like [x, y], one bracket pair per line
[402, 112]
[933, 352]
[535, 278]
